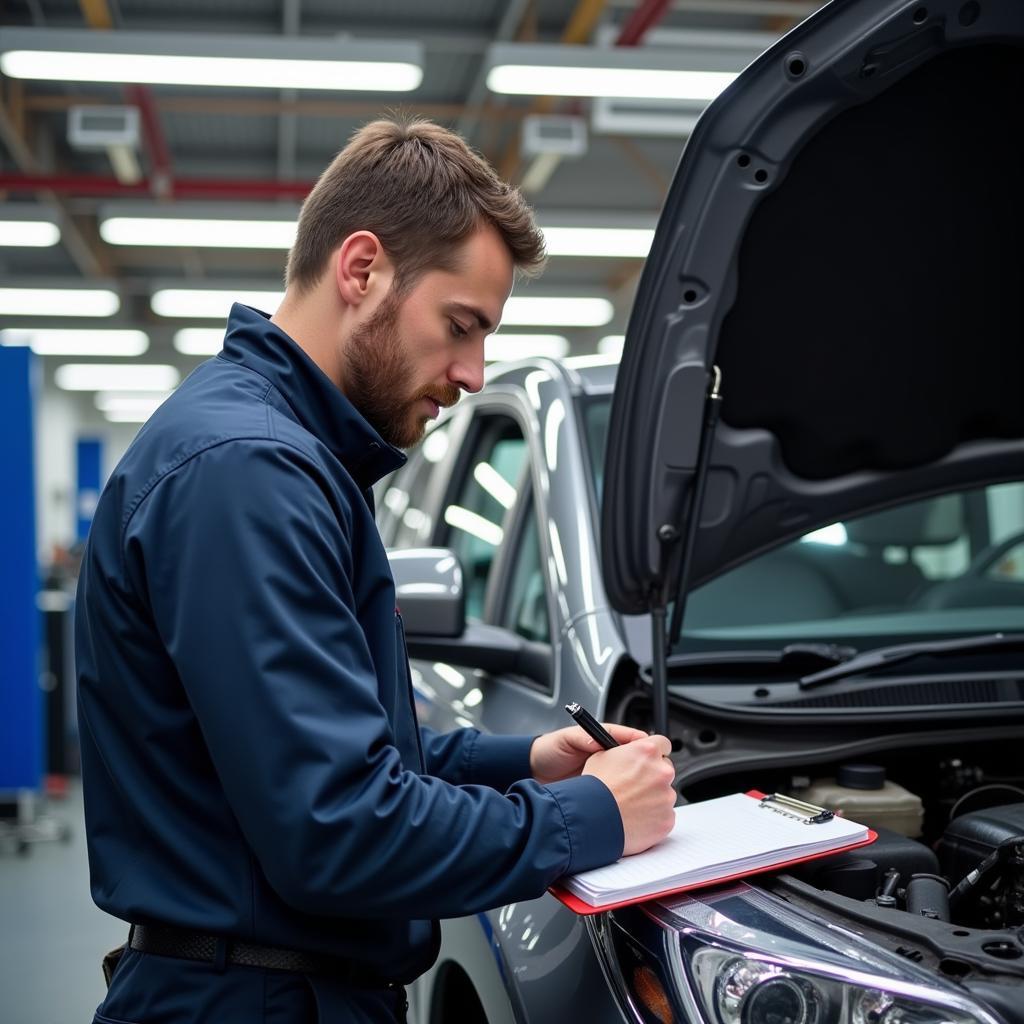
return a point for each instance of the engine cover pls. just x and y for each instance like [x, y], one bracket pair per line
[969, 839]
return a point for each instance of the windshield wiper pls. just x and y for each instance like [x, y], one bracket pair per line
[795, 657]
[883, 657]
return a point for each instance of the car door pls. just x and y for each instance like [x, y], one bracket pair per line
[485, 512]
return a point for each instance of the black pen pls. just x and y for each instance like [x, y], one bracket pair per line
[586, 721]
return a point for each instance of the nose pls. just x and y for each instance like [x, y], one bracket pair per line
[467, 372]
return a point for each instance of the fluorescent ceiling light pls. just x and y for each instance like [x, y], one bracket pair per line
[116, 377]
[503, 347]
[611, 344]
[199, 232]
[696, 72]
[204, 303]
[58, 302]
[130, 401]
[77, 342]
[573, 241]
[199, 341]
[237, 233]
[178, 58]
[34, 233]
[632, 83]
[576, 311]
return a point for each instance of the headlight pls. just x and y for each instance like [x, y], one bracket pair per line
[743, 956]
[736, 989]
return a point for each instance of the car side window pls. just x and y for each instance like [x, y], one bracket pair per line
[404, 523]
[526, 607]
[475, 519]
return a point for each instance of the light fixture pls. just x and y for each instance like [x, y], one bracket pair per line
[36, 234]
[116, 377]
[611, 344]
[572, 234]
[202, 232]
[538, 69]
[597, 241]
[504, 347]
[179, 58]
[58, 302]
[699, 49]
[199, 341]
[209, 304]
[77, 342]
[269, 234]
[567, 311]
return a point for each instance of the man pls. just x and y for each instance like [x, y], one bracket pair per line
[261, 805]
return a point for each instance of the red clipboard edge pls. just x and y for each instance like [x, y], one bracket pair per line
[578, 906]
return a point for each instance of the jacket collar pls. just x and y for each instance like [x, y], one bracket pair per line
[253, 341]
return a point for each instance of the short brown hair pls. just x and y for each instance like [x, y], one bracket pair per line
[421, 190]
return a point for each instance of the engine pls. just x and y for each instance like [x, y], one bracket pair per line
[952, 900]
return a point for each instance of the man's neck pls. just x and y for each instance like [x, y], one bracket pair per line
[302, 319]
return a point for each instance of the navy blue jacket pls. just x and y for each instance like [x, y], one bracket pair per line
[252, 764]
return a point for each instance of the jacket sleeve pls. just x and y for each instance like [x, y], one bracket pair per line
[468, 756]
[245, 556]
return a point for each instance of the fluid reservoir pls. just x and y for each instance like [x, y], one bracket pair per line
[862, 793]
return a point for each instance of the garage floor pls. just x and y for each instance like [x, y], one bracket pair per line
[52, 936]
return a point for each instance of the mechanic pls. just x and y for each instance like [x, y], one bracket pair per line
[261, 805]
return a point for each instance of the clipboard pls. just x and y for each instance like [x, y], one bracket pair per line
[776, 803]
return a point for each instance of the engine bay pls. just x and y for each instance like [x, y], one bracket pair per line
[946, 890]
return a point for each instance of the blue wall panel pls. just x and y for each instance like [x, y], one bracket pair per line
[20, 697]
[89, 457]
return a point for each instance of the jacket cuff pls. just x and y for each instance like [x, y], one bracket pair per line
[500, 761]
[592, 822]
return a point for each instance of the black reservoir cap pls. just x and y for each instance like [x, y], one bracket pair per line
[861, 776]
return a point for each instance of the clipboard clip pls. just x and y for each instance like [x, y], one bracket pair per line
[790, 807]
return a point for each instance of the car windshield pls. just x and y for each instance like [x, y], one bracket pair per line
[946, 565]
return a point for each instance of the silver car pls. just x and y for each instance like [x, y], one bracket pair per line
[788, 531]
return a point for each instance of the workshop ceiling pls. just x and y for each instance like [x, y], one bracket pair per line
[204, 151]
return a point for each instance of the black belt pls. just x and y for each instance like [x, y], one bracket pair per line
[187, 945]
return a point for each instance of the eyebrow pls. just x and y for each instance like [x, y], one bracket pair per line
[472, 311]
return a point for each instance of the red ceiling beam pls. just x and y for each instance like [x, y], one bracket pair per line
[644, 17]
[184, 188]
[161, 177]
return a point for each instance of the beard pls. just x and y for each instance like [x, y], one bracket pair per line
[379, 375]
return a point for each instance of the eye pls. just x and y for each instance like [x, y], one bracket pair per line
[457, 329]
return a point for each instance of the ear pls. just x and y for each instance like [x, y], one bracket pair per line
[361, 268]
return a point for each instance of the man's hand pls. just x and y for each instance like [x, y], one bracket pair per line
[640, 776]
[562, 754]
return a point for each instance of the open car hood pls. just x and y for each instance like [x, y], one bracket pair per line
[843, 240]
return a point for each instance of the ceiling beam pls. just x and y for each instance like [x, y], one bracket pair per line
[648, 167]
[477, 96]
[161, 169]
[578, 29]
[288, 122]
[740, 8]
[85, 253]
[251, 107]
[96, 13]
[184, 188]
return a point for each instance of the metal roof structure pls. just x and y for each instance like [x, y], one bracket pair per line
[204, 151]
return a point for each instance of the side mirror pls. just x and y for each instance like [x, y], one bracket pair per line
[429, 590]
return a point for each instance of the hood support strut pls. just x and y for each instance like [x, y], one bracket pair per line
[673, 542]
